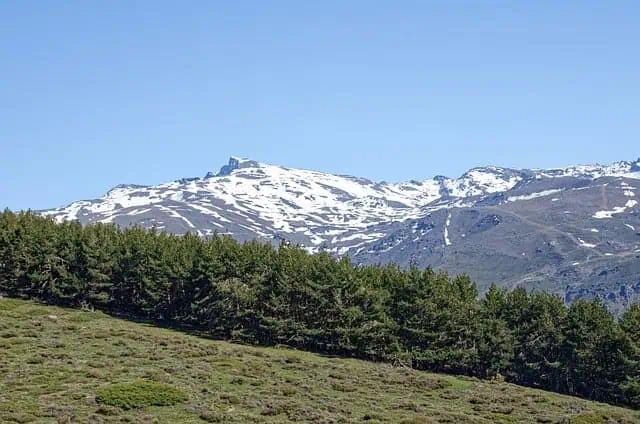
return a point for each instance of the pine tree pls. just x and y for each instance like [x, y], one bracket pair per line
[630, 384]
[591, 351]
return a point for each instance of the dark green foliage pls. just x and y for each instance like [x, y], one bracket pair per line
[139, 394]
[630, 326]
[537, 322]
[261, 294]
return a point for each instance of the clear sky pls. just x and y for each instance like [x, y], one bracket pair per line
[97, 93]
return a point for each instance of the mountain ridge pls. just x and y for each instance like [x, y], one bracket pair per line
[237, 162]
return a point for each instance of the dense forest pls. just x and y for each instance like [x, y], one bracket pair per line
[260, 294]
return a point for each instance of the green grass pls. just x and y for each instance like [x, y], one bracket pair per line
[65, 366]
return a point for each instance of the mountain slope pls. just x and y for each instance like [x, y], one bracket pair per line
[573, 230]
[56, 361]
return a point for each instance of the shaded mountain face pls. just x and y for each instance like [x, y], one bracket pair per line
[574, 230]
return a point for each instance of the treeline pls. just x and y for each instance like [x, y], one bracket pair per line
[260, 294]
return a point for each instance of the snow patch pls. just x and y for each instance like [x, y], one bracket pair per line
[534, 195]
[480, 181]
[616, 210]
[633, 175]
[585, 244]
[447, 242]
[609, 214]
[175, 214]
[208, 211]
[138, 211]
[353, 237]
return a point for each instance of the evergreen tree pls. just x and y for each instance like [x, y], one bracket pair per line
[591, 351]
[630, 385]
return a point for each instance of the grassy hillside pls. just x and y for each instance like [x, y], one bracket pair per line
[63, 365]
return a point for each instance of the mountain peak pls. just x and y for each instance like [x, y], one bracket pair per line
[234, 163]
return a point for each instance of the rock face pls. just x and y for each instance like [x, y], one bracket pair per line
[574, 230]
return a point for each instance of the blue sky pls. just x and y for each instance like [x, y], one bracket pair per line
[97, 93]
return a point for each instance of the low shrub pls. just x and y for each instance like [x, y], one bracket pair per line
[592, 418]
[139, 394]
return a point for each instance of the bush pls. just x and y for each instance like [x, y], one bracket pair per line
[213, 417]
[139, 394]
[588, 419]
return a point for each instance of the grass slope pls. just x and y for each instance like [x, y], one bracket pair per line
[62, 366]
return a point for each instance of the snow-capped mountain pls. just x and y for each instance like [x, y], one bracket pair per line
[266, 201]
[431, 222]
